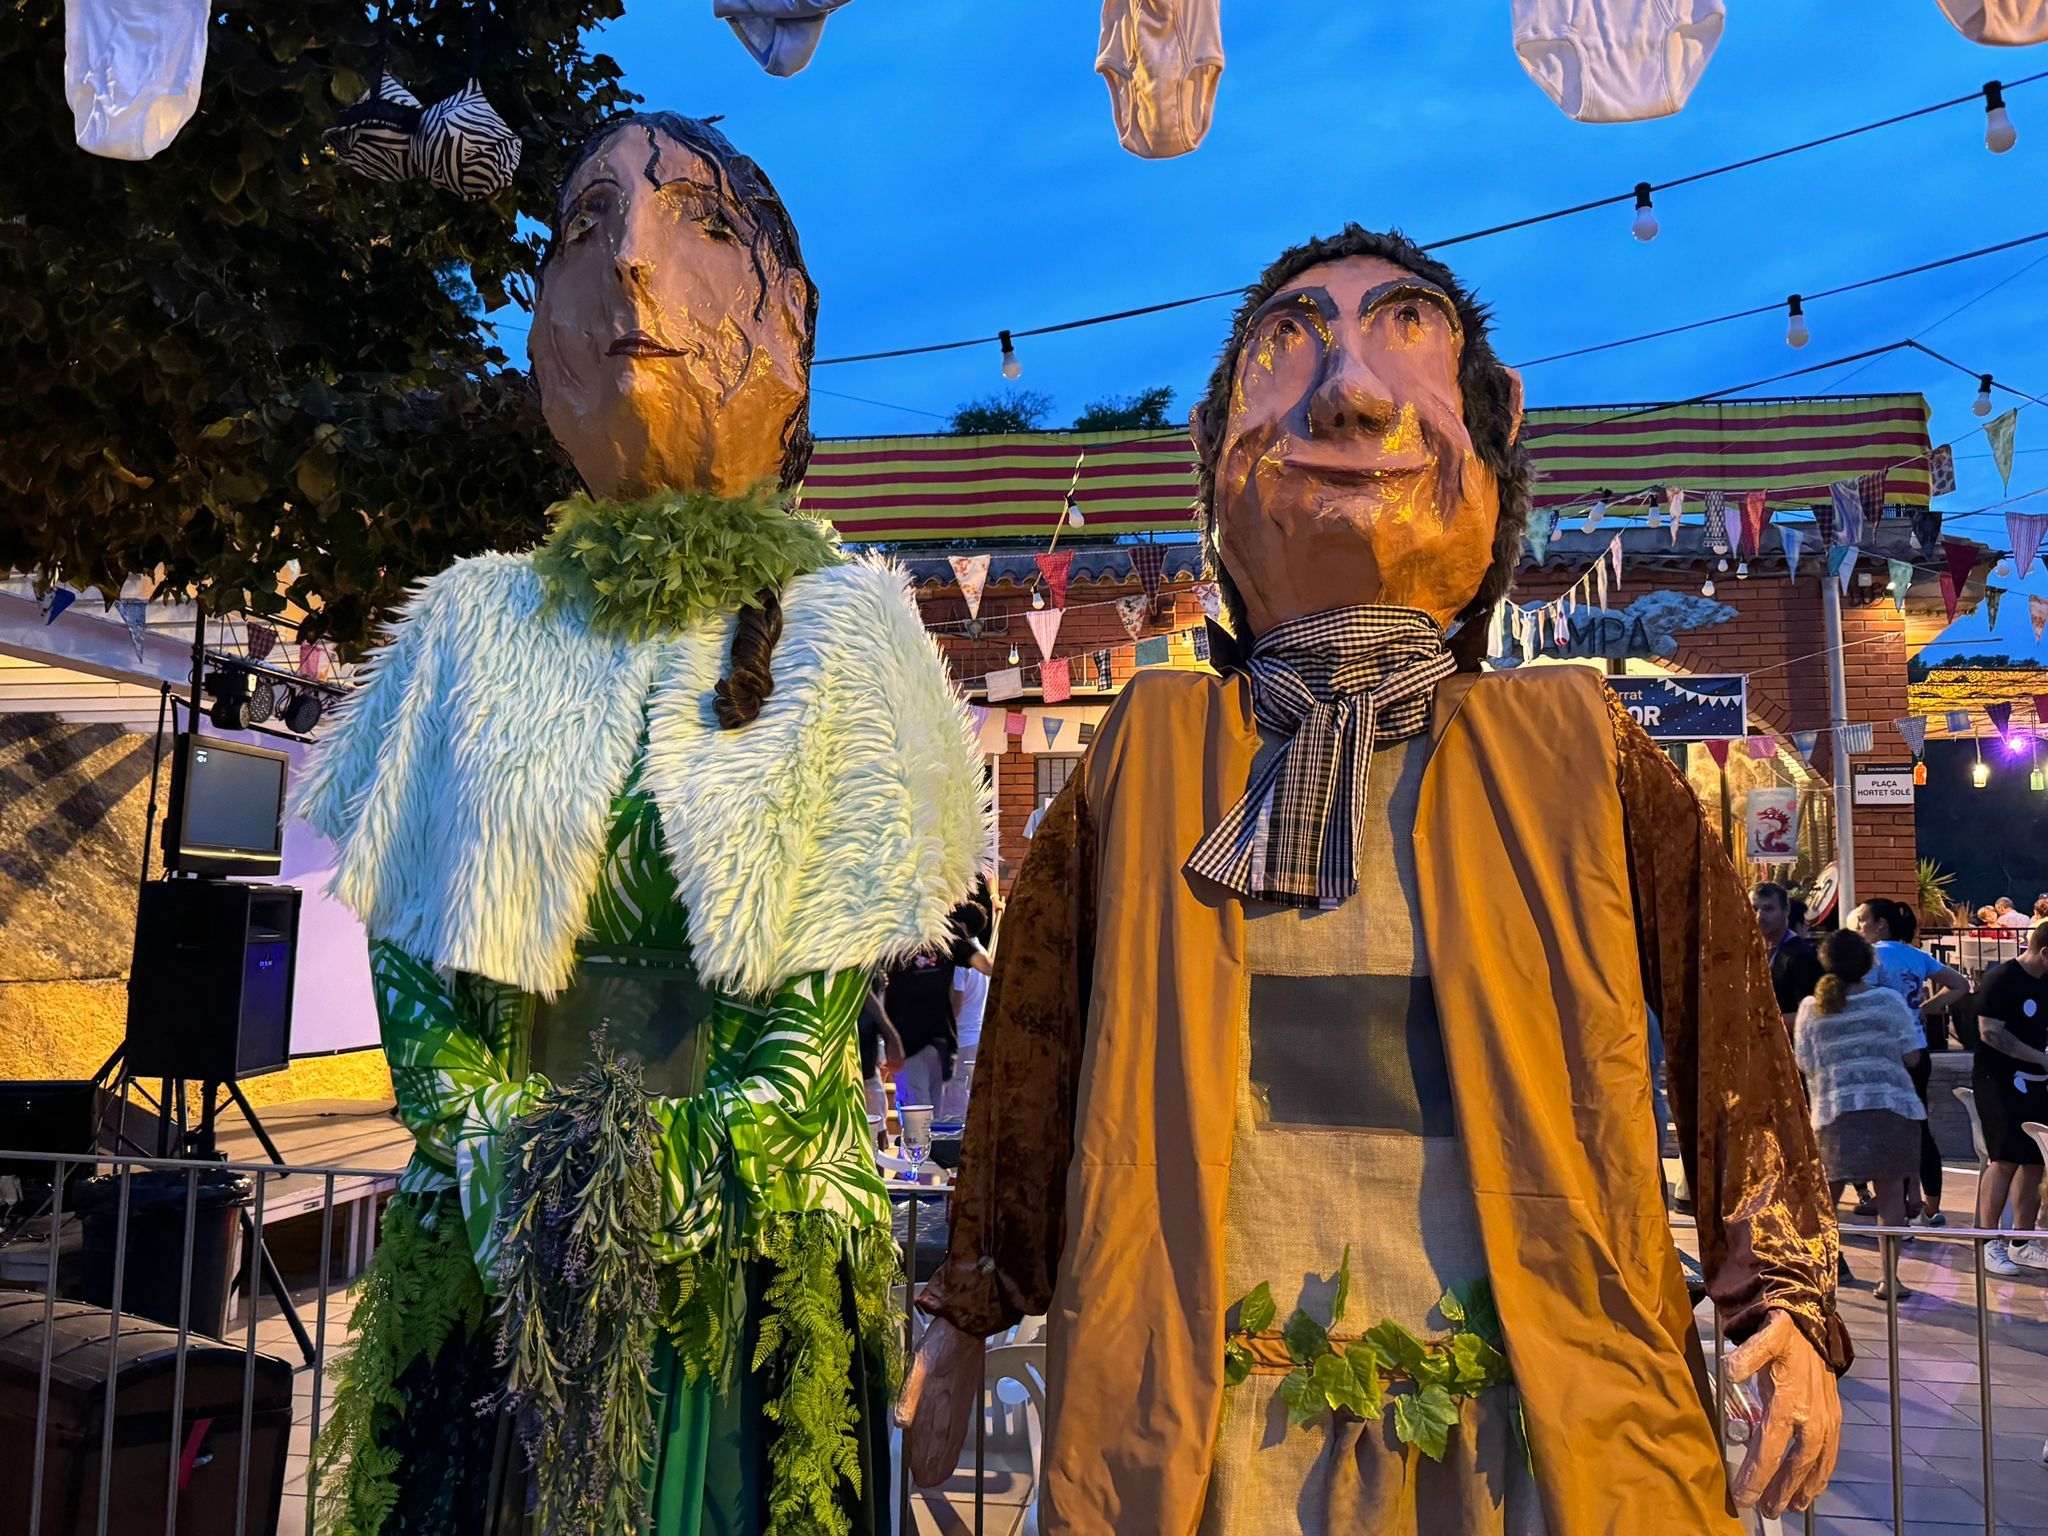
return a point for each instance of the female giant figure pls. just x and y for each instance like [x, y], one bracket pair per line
[629, 819]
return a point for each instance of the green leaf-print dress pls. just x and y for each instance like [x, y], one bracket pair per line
[778, 1130]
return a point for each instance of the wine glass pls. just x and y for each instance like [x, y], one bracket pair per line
[917, 1135]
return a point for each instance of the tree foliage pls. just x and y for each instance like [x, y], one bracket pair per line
[241, 356]
[1014, 410]
[1115, 413]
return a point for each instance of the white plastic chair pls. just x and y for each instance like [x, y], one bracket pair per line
[1013, 1428]
[1967, 1097]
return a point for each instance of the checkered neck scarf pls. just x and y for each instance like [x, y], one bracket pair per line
[1336, 683]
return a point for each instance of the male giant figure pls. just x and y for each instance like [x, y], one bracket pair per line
[1329, 973]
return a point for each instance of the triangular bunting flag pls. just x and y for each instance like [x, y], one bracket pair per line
[2001, 716]
[1054, 568]
[1149, 559]
[2041, 711]
[1155, 652]
[1212, 599]
[1674, 503]
[1912, 731]
[2001, 430]
[1845, 507]
[1763, 746]
[1496, 640]
[1055, 685]
[2025, 530]
[1941, 471]
[1542, 524]
[55, 601]
[1837, 553]
[1601, 579]
[1718, 750]
[1926, 529]
[1951, 599]
[977, 717]
[1102, 670]
[1961, 560]
[1525, 629]
[135, 615]
[1848, 566]
[261, 642]
[1052, 726]
[1755, 515]
[971, 572]
[1960, 724]
[1855, 740]
[1132, 611]
[1006, 684]
[1991, 597]
[1792, 539]
[2037, 611]
[1902, 578]
[1614, 554]
[1803, 742]
[1870, 496]
[1717, 521]
[1045, 627]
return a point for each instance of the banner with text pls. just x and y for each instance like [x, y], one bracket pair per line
[1705, 708]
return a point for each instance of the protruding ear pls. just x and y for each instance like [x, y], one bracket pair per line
[1514, 404]
[1198, 431]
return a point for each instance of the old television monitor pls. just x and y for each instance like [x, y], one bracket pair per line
[226, 815]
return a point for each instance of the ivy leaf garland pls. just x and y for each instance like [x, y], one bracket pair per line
[1353, 1379]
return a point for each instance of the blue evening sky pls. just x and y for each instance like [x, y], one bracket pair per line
[953, 170]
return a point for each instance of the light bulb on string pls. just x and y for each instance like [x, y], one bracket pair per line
[1980, 771]
[1707, 587]
[1999, 133]
[1721, 564]
[1074, 517]
[1742, 570]
[1645, 226]
[1014, 657]
[1796, 333]
[1037, 598]
[1981, 406]
[1012, 369]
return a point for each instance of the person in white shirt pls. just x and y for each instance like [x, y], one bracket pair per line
[2010, 916]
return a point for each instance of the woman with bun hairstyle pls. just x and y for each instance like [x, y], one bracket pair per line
[1856, 1044]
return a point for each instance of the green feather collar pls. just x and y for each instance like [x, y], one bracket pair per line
[662, 563]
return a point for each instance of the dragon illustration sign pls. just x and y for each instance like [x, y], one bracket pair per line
[1773, 816]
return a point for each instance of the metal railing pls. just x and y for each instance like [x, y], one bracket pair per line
[254, 1514]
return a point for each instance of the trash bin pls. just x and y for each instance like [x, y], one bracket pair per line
[152, 1277]
[203, 1453]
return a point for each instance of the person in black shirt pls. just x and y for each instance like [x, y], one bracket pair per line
[2010, 1080]
[1795, 964]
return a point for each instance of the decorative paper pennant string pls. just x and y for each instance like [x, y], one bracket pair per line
[977, 716]
[1848, 566]
[1926, 529]
[1803, 742]
[1961, 560]
[1055, 684]
[1792, 539]
[2025, 530]
[1154, 652]
[1102, 670]
[2001, 429]
[1560, 627]
[1855, 740]
[1132, 611]
[1912, 731]
[2037, 611]
[1006, 684]
[1087, 732]
[1959, 723]
[1045, 627]
[1054, 568]
[1941, 472]
[54, 602]
[1870, 496]
[135, 615]
[1525, 631]
[1541, 525]
[1015, 723]
[2041, 709]
[1496, 638]
[1763, 745]
[261, 642]
[1212, 599]
[1755, 515]
[971, 573]
[1902, 578]
[1845, 509]
[2001, 716]
[1053, 725]
[1674, 503]
[1718, 750]
[1600, 577]
[1717, 521]
[1201, 639]
[312, 661]
[1150, 560]
[1991, 597]
[1614, 554]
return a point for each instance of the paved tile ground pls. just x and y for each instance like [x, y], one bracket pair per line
[1940, 1412]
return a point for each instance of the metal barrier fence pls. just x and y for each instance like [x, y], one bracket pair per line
[183, 1443]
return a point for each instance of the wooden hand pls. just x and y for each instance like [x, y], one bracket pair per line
[1792, 1453]
[940, 1400]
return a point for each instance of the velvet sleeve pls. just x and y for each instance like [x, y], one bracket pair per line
[1010, 1202]
[1766, 1225]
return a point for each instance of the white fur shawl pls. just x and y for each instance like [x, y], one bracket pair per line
[467, 786]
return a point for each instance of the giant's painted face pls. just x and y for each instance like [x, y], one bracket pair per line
[665, 358]
[1345, 473]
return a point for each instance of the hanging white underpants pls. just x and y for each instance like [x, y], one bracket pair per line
[1617, 61]
[131, 72]
[2001, 23]
[780, 34]
[1161, 60]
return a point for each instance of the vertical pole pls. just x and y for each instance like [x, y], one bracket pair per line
[1838, 716]
[1984, 1391]
[1888, 1266]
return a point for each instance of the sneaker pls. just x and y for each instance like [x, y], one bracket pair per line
[2033, 1254]
[1997, 1260]
[1867, 1206]
[1886, 1292]
[1930, 1219]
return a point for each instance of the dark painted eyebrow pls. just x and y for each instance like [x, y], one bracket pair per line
[1316, 298]
[1410, 288]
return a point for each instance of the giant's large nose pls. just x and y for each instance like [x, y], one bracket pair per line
[1350, 397]
[639, 242]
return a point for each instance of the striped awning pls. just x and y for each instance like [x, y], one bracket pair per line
[961, 489]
